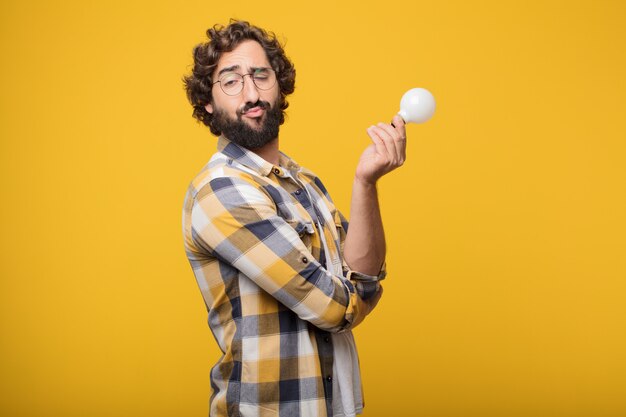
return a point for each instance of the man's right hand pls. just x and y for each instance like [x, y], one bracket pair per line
[366, 306]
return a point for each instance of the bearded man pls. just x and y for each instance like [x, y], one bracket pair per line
[283, 277]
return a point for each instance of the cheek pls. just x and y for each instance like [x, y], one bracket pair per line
[228, 105]
[273, 95]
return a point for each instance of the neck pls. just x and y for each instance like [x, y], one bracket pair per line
[269, 152]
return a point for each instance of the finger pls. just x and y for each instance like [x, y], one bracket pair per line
[397, 141]
[400, 127]
[398, 122]
[386, 148]
[378, 143]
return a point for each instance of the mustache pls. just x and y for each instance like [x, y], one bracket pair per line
[260, 103]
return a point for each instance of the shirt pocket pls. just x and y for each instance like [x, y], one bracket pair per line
[296, 216]
[304, 229]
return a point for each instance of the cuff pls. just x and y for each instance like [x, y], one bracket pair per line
[366, 285]
[359, 276]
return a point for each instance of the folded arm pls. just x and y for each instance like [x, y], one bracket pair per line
[238, 220]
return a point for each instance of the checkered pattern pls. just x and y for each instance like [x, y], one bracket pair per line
[251, 235]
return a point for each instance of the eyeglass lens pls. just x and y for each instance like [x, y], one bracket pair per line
[232, 83]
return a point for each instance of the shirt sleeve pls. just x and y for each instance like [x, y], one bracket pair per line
[238, 221]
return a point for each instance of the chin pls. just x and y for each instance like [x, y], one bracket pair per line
[256, 124]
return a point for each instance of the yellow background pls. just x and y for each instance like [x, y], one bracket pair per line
[506, 227]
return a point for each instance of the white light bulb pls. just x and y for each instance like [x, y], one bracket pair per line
[417, 106]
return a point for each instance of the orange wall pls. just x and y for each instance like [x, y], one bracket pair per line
[506, 227]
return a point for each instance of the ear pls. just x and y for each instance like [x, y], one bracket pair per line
[209, 108]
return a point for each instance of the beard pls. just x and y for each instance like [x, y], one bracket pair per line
[264, 131]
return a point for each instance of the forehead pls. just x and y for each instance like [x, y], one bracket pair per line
[248, 54]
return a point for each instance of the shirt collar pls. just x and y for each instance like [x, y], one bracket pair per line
[253, 161]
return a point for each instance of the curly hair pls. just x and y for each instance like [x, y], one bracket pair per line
[199, 83]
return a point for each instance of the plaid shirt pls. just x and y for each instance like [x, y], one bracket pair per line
[251, 235]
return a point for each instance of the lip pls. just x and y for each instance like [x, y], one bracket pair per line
[254, 112]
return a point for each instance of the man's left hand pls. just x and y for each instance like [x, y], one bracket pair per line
[386, 153]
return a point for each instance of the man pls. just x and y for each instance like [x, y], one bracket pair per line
[283, 277]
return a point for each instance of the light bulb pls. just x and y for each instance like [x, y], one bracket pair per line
[417, 106]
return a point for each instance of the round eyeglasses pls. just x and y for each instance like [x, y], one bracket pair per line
[232, 83]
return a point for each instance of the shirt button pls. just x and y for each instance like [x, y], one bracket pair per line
[298, 192]
[327, 339]
[305, 260]
[329, 378]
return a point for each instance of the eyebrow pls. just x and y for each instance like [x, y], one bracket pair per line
[236, 67]
[227, 69]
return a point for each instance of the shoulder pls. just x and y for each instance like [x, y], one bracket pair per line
[222, 173]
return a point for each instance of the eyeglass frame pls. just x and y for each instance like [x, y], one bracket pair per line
[251, 77]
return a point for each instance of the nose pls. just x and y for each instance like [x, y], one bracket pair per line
[250, 92]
